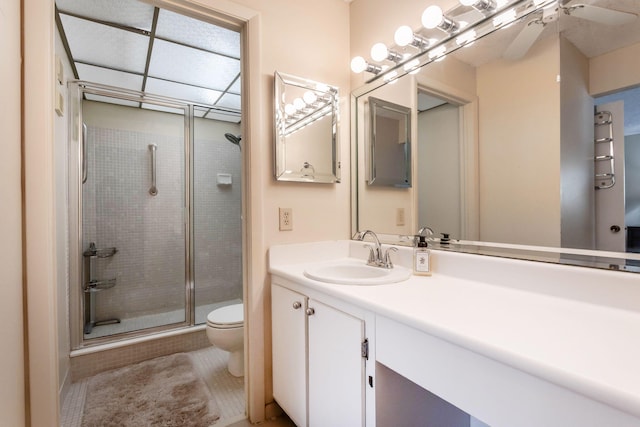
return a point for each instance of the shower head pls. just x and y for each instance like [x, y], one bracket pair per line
[233, 139]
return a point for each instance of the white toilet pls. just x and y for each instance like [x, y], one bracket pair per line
[225, 330]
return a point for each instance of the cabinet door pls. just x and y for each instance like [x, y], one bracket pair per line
[288, 326]
[336, 368]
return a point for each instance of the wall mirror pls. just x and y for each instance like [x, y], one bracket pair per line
[389, 144]
[504, 140]
[305, 125]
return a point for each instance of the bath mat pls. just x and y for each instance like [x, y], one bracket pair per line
[164, 391]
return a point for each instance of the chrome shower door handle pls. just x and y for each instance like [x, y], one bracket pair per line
[83, 148]
[153, 190]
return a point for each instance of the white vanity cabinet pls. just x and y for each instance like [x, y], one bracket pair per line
[318, 367]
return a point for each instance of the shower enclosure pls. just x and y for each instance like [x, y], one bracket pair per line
[155, 213]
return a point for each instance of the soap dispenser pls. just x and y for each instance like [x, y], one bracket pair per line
[422, 258]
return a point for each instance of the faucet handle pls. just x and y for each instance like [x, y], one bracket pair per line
[372, 255]
[387, 258]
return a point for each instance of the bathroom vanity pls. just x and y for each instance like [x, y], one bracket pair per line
[495, 341]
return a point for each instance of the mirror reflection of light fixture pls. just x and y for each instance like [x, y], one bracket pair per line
[359, 64]
[380, 52]
[433, 17]
[438, 53]
[505, 18]
[467, 38]
[483, 6]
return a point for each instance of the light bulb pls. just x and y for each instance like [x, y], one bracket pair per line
[299, 103]
[403, 35]
[379, 52]
[432, 17]
[358, 64]
[289, 110]
[309, 97]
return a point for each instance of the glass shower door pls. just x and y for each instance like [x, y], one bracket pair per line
[134, 222]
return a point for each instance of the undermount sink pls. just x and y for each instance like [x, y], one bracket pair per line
[355, 272]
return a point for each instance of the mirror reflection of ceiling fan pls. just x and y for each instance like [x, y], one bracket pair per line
[534, 27]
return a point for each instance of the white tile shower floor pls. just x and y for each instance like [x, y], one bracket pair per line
[211, 365]
[153, 320]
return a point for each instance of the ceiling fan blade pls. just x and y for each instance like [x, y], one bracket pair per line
[523, 41]
[600, 14]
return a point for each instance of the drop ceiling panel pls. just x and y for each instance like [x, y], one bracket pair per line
[182, 91]
[230, 101]
[109, 100]
[131, 13]
[192, 66]
[109, 77]
[100, 44]
[197, 33]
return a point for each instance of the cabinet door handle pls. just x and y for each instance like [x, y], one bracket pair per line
[297, 305]
[310, 311]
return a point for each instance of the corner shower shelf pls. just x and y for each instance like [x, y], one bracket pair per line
[92, 286]
[99, 285]
[99, 253]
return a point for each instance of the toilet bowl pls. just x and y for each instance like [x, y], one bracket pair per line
[225, 330]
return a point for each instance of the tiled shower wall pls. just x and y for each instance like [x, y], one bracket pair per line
[217, 216]
[149, 231]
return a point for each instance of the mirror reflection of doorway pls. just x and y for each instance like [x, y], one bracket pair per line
[438, 165]
[628, 167]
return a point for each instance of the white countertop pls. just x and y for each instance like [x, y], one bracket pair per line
[576, 343]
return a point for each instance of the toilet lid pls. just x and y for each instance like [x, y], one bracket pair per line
[230, 315]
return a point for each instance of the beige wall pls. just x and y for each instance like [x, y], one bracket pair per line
[12, 393]
[576, 185]
[520, 201]
[603, 78]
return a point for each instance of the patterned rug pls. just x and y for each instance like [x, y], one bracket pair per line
[164, 391]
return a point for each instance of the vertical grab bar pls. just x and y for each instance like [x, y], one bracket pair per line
[84, 153]
[153, 190]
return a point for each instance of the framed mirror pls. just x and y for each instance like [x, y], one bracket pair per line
[520, 169]
[305, 126]
[389, 144]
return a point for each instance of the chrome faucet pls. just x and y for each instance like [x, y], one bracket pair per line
[376, 257]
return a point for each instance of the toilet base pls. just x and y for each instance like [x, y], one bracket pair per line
[235, 365]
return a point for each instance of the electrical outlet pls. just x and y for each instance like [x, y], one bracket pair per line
[286, 219]
[400, 216]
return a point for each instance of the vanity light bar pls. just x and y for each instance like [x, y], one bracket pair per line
[496, 14]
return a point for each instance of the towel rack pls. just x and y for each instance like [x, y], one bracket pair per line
[605, 176]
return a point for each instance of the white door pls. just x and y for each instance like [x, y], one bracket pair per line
[289, 346]
[336, 368]
[610, 204]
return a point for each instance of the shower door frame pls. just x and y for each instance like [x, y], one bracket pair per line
[77, 89]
